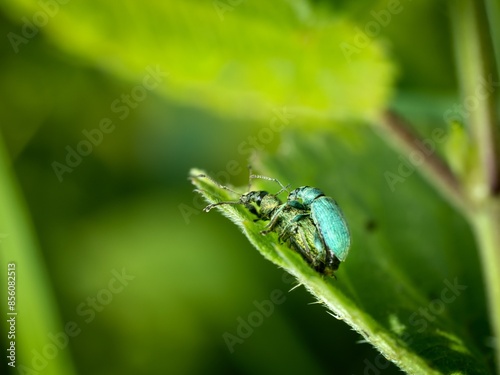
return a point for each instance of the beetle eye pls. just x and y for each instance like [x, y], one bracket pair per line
[261, 195]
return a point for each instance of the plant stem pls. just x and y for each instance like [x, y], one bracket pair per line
[476, 70]
[404, 138]
[493, 14]
[486, 227]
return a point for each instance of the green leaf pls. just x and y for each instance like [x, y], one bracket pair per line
[37, 316]
[252, 57]
[412, 275]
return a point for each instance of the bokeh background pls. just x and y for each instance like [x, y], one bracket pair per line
[129, 205]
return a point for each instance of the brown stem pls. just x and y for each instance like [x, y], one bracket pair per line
[406, 140]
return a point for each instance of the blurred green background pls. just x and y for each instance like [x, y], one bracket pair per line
[129, 205]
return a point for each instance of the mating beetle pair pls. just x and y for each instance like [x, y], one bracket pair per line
[309, 222]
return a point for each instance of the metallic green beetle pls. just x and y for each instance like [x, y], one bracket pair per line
[328, 220]
[292, 222]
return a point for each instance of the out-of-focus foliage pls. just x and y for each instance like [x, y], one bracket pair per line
[240, 61]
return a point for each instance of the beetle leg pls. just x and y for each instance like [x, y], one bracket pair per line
[274, 221]
[304, 250]
[210, 206]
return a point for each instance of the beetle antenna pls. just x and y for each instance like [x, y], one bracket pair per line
[283, 188]
[249, 177]
[217, 184]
